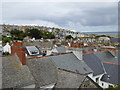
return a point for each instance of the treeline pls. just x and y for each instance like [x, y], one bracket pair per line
[98, 36]
[32, 33]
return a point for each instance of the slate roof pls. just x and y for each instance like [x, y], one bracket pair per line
[106, 56]
[113, 74]
[39, 44]
[69, 80]
[94, 63]
[118, 55]
[61, 49]
[14, 74]
[71, 62]
[104, 62]
[43, 70]
[111, 66]
[58, 69]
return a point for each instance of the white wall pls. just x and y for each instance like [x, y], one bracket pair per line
[30, 86]
[7, 48]
[47, 87]
[54, 50]
[105, 84]
[94, 77]
[49, 52]
[78, 54]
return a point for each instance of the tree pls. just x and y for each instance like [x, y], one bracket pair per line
[34, 33]
[75, 38]
[17, 34]
[102, 36]
[6, 39]
[48, 35]
[38, 34]
[69, 37]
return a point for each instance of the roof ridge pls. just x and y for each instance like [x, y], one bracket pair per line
[50, 55]
[110, 63]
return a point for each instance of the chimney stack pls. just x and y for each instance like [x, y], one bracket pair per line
[20, 51]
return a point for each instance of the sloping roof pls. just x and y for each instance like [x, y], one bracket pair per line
[58, 69]
[118, 55]
[113, 73]
[61, 49]
[69, 80]
[39, 44]
[106, 56]
[14, 74]
[71, 62]
[109, 63]
[43, 70]
[94, 63]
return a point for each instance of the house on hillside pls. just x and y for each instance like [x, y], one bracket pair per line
[115, 41]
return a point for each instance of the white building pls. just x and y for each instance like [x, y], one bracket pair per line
[7, 48]
[105, 69]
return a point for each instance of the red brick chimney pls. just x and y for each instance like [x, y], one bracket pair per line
[20, 51]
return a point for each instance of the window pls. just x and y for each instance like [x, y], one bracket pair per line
[110, 86]
[97, 79]
[102, 84]
[84, 85]
[34, 52]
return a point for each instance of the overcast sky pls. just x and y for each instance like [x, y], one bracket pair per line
[79, 16]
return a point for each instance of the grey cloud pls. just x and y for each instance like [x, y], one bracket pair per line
[62, 14]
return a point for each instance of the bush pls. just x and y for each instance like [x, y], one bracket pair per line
[6, 39]
[17, 34]
[69, 37]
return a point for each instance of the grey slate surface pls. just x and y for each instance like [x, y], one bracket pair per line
[43, 70]
[114, 72]
[94, 63]
[14, 74]
[61, 49]
[46, 70]
[71, 62]
[106, 56]
[69, 80]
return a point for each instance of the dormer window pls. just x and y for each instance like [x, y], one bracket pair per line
[33, 50]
